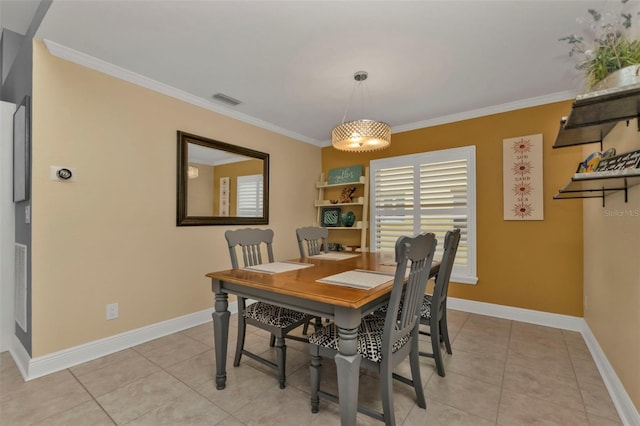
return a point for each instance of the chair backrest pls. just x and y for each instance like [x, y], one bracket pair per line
[416, 253]
[439, 298]
[315, 239]
[251, 242]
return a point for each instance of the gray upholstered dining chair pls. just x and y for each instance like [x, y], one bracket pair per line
[433, 312]
[275, 319]
[314, 239]
[384, 342]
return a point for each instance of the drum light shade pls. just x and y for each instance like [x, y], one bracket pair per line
[360, 135]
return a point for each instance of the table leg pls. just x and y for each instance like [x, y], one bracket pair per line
[348, 364]
[221, 337]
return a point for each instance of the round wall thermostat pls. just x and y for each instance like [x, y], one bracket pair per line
[64, 174]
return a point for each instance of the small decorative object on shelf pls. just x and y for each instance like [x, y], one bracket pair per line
[345, 175]
[590, 163]
[608, 153]
[347, 194]
[330, 216]
[610, 50]
[348, 219]
[335, 247]
[629, 160]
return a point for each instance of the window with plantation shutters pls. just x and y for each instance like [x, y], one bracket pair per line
[427, 192]
[249, 196]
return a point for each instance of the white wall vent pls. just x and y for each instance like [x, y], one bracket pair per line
[20, 312]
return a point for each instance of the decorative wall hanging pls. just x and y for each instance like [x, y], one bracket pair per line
[522, 178]
[224, 196]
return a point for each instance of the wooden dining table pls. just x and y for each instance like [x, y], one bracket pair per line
[300, 290]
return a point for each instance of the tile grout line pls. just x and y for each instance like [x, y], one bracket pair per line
[195, 390]
[504, 371]
[92, 397]
[575, 375]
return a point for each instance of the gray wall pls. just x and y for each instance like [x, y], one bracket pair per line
[17, 85]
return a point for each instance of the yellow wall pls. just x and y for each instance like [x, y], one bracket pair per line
[529, 264]
[232, 171]
[110, 236]
[612, 270]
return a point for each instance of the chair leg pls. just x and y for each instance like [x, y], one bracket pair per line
[242, 329]
[281, 354]
[414, 360]
[317, 325]
[386, 394]
[316, 364]
[445, 333]
[435, 347]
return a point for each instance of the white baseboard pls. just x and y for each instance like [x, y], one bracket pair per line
[38, 367]
[20, 357]
[625, 407]
[47, 364]
[565, 322]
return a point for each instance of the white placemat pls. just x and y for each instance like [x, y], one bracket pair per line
[334, 256]
[358, 278]
[275, 267]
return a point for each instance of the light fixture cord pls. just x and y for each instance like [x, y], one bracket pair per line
[353, 91]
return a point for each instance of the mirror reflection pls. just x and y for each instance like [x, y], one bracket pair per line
[220, 183]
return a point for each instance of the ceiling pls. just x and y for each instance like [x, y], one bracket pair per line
[291, 63]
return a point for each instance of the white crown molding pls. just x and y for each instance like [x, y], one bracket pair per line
[481, 112]
[85, 60]
[72, 55]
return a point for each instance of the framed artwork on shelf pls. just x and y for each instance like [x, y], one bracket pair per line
[344, 175]
[330, 216]
[21, 140]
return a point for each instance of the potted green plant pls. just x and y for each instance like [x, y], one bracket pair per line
[611, 49]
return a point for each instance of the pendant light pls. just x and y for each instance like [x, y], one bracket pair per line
[360, 135]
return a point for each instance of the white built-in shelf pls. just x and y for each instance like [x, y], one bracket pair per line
[361, 209]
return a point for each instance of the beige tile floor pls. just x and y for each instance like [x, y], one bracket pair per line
[501, 373]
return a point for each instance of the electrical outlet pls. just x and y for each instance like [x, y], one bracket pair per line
[112, 311]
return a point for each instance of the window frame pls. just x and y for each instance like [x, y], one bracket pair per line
[468, 274]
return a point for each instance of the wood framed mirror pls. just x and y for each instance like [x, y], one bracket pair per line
[220, 183]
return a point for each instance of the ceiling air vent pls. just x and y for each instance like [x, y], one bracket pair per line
[226, 99]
